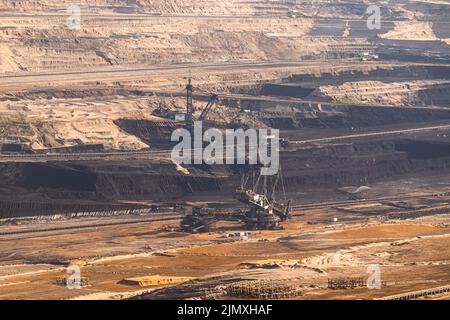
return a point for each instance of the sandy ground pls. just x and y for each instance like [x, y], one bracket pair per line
[412, 255]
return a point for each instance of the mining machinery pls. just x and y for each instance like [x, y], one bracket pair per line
[188, 117]
[265, 211]
[201, 218]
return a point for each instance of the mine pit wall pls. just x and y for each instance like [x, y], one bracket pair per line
[57, 190]
[280, 90]
[413, 51]
[293, 116]
[317, 166]
[435, 96]
[156, 186]
[366, 116]
[51, 210]
[154, 134]
[308, 87]
[422, 150]
[379, 74]
[74, 177]
[362, 163]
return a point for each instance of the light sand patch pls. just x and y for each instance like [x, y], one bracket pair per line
[7, 62]
[411, 30]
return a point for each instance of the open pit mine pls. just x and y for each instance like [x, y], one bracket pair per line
[355, 95]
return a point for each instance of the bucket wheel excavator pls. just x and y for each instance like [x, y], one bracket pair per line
[265, 212]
